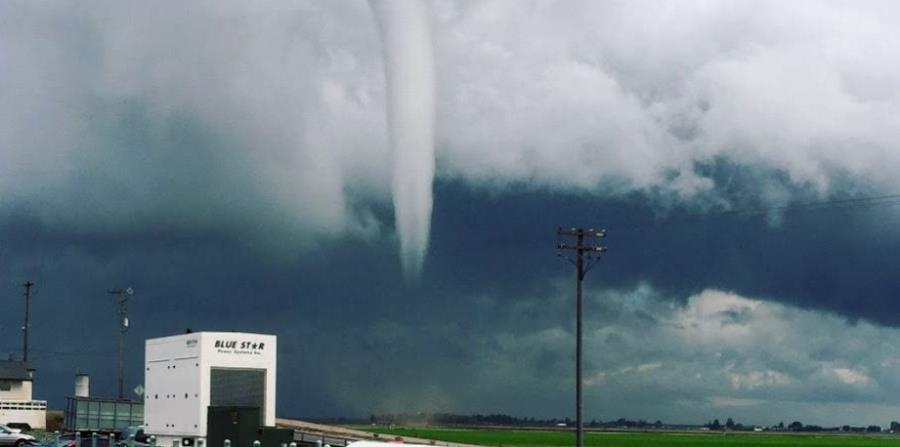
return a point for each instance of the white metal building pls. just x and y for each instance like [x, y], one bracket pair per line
[186, 374]
[16, 404]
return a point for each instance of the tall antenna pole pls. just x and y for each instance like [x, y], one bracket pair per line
[593, 251]
[122, 296]
[27, 285]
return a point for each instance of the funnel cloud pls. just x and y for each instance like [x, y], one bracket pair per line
[409, 72]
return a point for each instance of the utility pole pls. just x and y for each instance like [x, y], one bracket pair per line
[122, 296]
[593, 252]
[27, 285]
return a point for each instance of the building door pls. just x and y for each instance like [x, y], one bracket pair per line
[238, 387]
[239, 425]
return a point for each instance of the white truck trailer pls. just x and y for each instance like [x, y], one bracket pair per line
[185, 375]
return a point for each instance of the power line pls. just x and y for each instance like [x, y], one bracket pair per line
[41, 354]
[77, 352]
[887, 199]
[835, 204]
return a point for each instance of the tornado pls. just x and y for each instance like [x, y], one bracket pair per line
[406, 39]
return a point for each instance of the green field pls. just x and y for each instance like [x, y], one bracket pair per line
[552, 438]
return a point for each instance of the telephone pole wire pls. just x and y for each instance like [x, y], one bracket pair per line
[122, 300]
[593, 251]
[27, 285]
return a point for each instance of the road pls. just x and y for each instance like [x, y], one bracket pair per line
[337, 433]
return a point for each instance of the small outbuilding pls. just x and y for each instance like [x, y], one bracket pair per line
[17, 408]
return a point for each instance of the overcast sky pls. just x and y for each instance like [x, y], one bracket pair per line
[231, 161]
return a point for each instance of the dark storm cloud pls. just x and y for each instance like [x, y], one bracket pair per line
[228, 160]
[837, 258]
[490, 326]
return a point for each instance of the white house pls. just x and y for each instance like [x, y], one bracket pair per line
[16, 404]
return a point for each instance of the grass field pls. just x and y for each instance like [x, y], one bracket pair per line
[536, 438]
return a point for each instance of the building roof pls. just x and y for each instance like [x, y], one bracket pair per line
[14, 370]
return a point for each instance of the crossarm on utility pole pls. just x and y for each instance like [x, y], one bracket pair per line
[591, 248]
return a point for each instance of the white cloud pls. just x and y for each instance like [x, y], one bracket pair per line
[629, 95]
[649, 357]
[771, 362]
[725, 402]
[757, 379]
[646, 367]
[121, 114]
[851, 376]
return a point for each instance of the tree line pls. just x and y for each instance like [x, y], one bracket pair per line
[798, 426]
[505, 420]
[500, 420]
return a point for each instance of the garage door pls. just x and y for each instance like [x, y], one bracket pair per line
[232, 387]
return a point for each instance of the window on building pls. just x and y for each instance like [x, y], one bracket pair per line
[5, 385]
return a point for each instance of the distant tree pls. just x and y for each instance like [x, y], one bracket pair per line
[873, 429]
[729, 423]
[895, 427]
[658, 423]
[54, 421]
[795, 426]
[716, 425]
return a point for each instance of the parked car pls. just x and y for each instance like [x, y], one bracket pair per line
[14, 436]
[140, 438]
[68, 440]
[63, 441]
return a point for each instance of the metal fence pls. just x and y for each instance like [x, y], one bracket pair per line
[102, 415]
[320, 439]
[314, 439]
